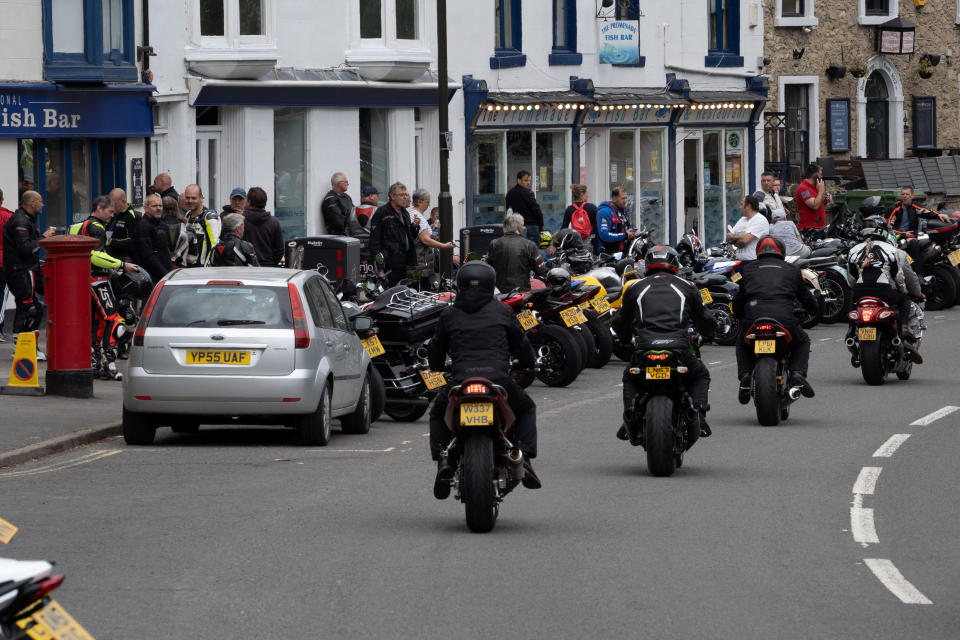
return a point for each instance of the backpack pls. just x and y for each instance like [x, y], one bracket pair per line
[580, 221]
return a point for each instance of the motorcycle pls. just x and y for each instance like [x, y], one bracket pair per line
[876, 345]
[717, 293]
[940, 280]
[771, 393]
[26, 609]
[490, 466]
[560, 351]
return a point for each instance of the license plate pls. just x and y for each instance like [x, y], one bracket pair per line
[53, 622]
[867, 333]
[373, 346]
[909, 259]
[572, 316]
[583, 305]
[705, 295]
[476, 414]
[730, 304]
[954, 257]
[765, 346]
[600, 305]
[658, 373]
[527, 320]
[736, 277]
[433, 379]
[204, 356]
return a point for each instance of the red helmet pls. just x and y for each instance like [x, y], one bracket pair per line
[771, 246]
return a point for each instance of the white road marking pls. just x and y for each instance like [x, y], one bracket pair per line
[861, 524]
[825, 339]
[567, 407]
[894, 581]
[717, 362]
[867, 480]
[933, 417]
[406, 442]
[890, 447]
[328, 450]
[61, 465]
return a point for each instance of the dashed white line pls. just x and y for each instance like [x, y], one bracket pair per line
[933, 417]
[867, 480]
[890, 447]
[825, 339]
[894, 581]
[862, 527]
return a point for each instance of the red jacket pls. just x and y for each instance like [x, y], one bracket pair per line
[4, 216]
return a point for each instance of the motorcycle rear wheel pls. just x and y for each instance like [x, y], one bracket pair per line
[479, 501]
[589, 344]
[872, 363]
[602, 339]
[562, 365]
[942, 292]
[842, 294]
[722, 314]
[378, 394]
[658, 436]
[765, 395]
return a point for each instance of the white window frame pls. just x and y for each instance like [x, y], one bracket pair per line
[813, 100]
[231, 38]
[864, 19]
[388, 23]
[808, 19]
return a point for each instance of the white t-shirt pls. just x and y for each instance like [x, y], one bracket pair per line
[757, 226]
[424, 224]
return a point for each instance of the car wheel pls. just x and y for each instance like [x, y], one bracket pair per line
[378, 394]
[315, 428]
[138, 428]
[359, 421]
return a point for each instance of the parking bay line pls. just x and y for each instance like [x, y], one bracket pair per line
[60, 466]
[933, 417]
[890, 447]
[888, 574]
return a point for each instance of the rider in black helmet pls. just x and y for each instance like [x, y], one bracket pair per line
[659, 310]
[482, 335]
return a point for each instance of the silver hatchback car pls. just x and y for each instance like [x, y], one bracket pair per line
[245, 345]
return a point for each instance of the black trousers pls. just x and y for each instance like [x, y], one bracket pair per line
[798, 360]
[24, 286]
[913, 250]
[891, 296]
[523, 433]
[696, 381]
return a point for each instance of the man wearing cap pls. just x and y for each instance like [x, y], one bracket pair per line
[238, 202]
[788, 232]
[358, 224]
[336, 205]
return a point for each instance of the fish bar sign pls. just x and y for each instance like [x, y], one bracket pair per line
[43, 111]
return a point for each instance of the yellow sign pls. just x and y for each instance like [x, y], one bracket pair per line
[476, 414]
[239, 358]
[527, 319]
[373, 346]
[705, 295]
[53, 623]
[433, 379]
[7, 531]
[23, 372]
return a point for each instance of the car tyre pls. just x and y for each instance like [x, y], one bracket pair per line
[314, 428]
[138, 428]
[378, 394]
[358, 422]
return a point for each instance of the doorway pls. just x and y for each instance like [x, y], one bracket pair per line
[692, 189]
[877, 117]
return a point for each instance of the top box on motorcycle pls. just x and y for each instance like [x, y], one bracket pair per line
[339, 256]
[405, 315]
[474, 241]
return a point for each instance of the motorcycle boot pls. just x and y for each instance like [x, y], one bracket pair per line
[743, 393]
[445, 472]
[622, 433]
[799, 380]
[109, 371]
[705, 431]
[530, 479]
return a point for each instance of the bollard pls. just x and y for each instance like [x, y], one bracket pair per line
[67, 295]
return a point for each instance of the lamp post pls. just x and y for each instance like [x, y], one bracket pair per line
[444, 201]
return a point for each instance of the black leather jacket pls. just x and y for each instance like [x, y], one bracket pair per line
[513, 257]
[123, 242]
[21, 251]
[336, 208]
[234, 251]
[769, 289]
[153, 247]
[393, 235]
[660, 309]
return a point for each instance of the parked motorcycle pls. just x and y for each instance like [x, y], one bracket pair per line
[876, 345]
[560, 351]
[26, 609]
[772, 395]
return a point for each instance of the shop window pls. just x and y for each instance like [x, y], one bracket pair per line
[924, 122]
[228, 23]
[651, 189]
[88, 41]
[374, 150]
[289, 160]
[489, 179]
[508, 35]
[795, 13]
[550, 176]
[733, 172]
[565, 33]
[797, 108]
[371, 19]
[714, 222]
[723, 28]
[873, 12]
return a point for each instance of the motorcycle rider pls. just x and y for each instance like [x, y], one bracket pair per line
[659, 310]
[123, 228]
[200, 233]
[769, 289]
[481, 335]
[21, 262]
[904, 217]
[613, 223]
[233, 250]
[875, 271]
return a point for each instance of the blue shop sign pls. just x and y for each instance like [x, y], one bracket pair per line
[52, 111]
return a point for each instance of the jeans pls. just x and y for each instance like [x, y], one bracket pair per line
[533, 234]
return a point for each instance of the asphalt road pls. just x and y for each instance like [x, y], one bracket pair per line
[239, 533]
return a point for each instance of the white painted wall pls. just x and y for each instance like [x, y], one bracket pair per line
[332, 145]
[9, 166]
[21, 32]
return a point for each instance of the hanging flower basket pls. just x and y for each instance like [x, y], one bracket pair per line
[925, 69]
[835, 72]
[857, 70]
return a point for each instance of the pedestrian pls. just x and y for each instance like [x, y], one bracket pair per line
[788, 234]
[749, 229]
[163, 185]
[393, 236]
[522, 201]
[513, 255]
[812, 200]
[336, 205]
[233, 250]
[173, 220]
[358, 224]
[21, 263]
[261, 229]
[153, 245]
[238, 202]
[613, 223]
[5, 214]
[201, 231]
[581, 216]
[123, 228]
[426, 244]
[771, 194]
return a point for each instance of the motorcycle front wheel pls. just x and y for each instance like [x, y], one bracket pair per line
[562, 363]
[658, 436]
[765, 395]
[941, 292]
[724, 318]
[479, 501]
[873, 365]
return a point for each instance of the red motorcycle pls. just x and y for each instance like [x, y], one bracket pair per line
[772, 395]
[876, 345]
[479, 417]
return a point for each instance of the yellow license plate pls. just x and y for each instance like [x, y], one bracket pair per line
[867, 333]
[705, 295]
[658, 373]
[736, 276]
[765, 346]
[730, 304]
[600, 304]
[476, 414]
[53, 622]
[204, 356]
[954, 257]
[373, 346]
[909, 259]
[572, 316]
[433, 379]
[583, 305]
[527, 320]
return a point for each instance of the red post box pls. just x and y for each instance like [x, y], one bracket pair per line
[66, 276]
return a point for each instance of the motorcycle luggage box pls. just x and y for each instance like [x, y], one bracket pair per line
[474, 241]
[406, 316]
[338, 255]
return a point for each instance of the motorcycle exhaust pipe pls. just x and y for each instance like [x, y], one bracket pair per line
[850, 342]
[794, 393]
[896, 341]
[515, 458]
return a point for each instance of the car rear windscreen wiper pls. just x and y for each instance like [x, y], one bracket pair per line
[227, 323]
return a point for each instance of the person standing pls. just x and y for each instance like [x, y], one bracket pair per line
[123, 227]
[426, 244]
[771, 194]
[812, 200]
[393, 236]
[163, 185]
[613, 223]
[173, 220]
[21, 262]
[233, 250]
[238, 202]
[152, 242]
[358, 224]
[201, 231]
[749, 229]
[261, 229]
[336, 205]
[5, 214]
[522, 201]
[581, 216]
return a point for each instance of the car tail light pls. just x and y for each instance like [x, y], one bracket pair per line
[145, 316]
[476, 389]
[301, 336]
[224, 283]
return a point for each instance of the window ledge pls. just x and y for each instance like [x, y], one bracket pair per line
[84, 72]
[242, 63]
[507, 60]
[796, 21]
[874, 20]
[723, 60]
[391, 64]
[565, 58]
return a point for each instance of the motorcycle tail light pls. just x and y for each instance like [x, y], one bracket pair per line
[866, 315]
[764, 327]
[476, 389]
[658, 356]
[41, 590]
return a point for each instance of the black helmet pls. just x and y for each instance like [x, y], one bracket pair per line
[771, 246]
[477, 274]
[876, 227]
[580, 261]
[661, 258]
[869, 206]
[558, 281]
[135, 285]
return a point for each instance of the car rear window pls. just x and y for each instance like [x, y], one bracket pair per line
[254, 307]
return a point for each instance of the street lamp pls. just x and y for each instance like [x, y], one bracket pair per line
[444, 201]
[896, 37]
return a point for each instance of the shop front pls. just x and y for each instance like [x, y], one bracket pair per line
[70, 145]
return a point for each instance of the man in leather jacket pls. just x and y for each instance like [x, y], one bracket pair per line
[393, 235]
[659, 310]
[481, 334]
[123, 240]
[904, 217]
[513, 256]
[152, 243]
[336, 205]
[768, 289]
[21, 261]
[233, 250]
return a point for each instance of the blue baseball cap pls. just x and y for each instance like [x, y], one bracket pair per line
[238, 193]
[369, 190]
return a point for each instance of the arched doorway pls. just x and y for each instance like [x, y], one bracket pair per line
[877, 116]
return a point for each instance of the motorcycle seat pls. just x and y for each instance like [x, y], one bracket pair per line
[708, 279]
[613, 293]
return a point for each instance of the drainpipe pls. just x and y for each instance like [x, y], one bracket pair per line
[144, 51]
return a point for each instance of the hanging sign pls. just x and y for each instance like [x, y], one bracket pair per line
[620, 42]
[838, 125]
